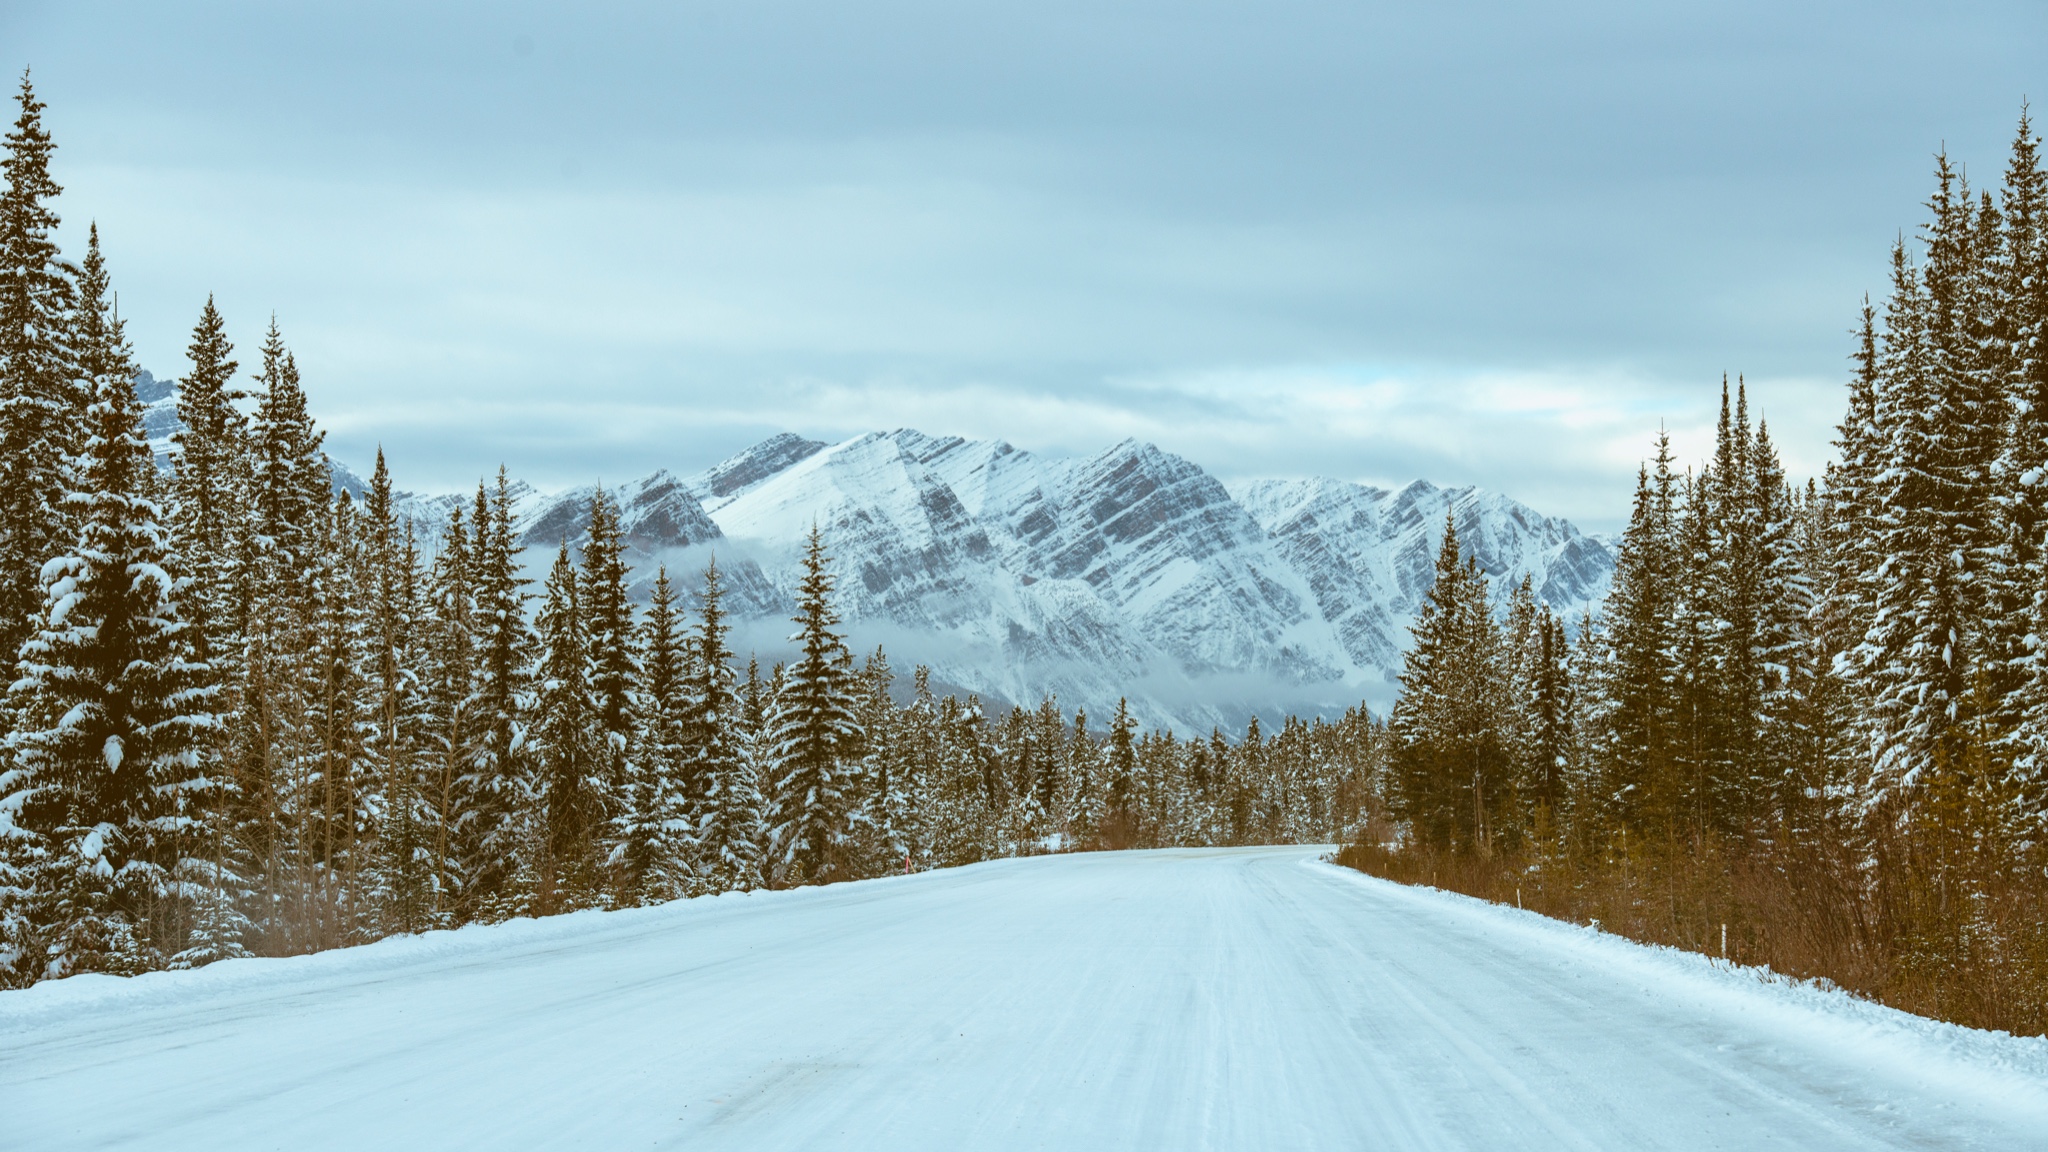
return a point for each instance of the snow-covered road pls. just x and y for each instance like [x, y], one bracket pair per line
[1242, 998]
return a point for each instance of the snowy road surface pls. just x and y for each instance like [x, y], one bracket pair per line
[1242, 998]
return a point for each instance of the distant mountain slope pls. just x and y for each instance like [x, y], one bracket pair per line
[1129, 573]
[1371, 554]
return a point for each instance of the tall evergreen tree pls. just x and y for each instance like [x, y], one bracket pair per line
[569, 751]
[607, 615]
[448, 737]
[337, 788]
[493, 789]
[813, 732]
[42, 398]
[725, 792]
[1919, 655]
[1120, 818]
[209, 485]
[1451, 768]
[109, 746]
[1639, 673]
[397, 669]
[653, 834]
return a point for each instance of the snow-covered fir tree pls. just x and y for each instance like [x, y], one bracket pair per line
[813, 732]
[42, 395]
[570, 754]
[101, 805]
[727, 811]
[654, 844]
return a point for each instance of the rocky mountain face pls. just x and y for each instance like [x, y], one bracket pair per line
[1370, 554]
[1130, 573]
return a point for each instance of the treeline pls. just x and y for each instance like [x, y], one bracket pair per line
[1811, 722]
[253, 715]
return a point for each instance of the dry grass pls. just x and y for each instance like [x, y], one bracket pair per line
[1933, 924]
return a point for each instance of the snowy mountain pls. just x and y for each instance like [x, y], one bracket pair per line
[1370, 554]
[1129, 573]
[1132, 572]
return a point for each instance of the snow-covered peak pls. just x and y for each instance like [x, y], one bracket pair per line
[1131, 572]
[1384, 544]
[732, 476]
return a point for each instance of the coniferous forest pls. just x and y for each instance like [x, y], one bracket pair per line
[253, 715]
[1810, 727]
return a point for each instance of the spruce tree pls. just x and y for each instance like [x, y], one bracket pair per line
[112, 715]
[293, 738]
[339, 794]
[1450, 764]
[726, 813]
[1639, 673]
[1120, 818]
[813, 732]
[208, 486]
[42, 399]
[1919, 653]
[494, 788]
[569, 750]
[1048, 731]
[1551, 704]
[653, 841]
[2020, 324]
[607, 616]
[400, 713]
[1854, 514]
[450, 737]
[883, 819]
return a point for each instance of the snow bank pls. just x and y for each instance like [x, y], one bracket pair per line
[1993, 1068]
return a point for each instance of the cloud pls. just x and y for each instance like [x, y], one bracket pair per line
[1478, 245]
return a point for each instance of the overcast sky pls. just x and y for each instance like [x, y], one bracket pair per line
[1475, 243]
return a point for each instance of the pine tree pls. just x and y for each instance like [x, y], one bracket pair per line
[396, 668]
[725, 800]
[916, 749]
[1084, 769]
[292, 739]
[493, 790]
[42, 399]
[337, 797]
[882, 823]
[1853, 517]
[208, 485]
[607, 615]
[1784, 645]
[1451, 767]
[1048, 731]
[569, 753]
[109, 748]
[653, 836]
[449, 737]
[1551, 737]
[813, 732]
[1120, 828]
[2021, 323]
[1921, 651]
[1639, 673]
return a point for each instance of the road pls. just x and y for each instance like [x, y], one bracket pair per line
[1181, 999]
